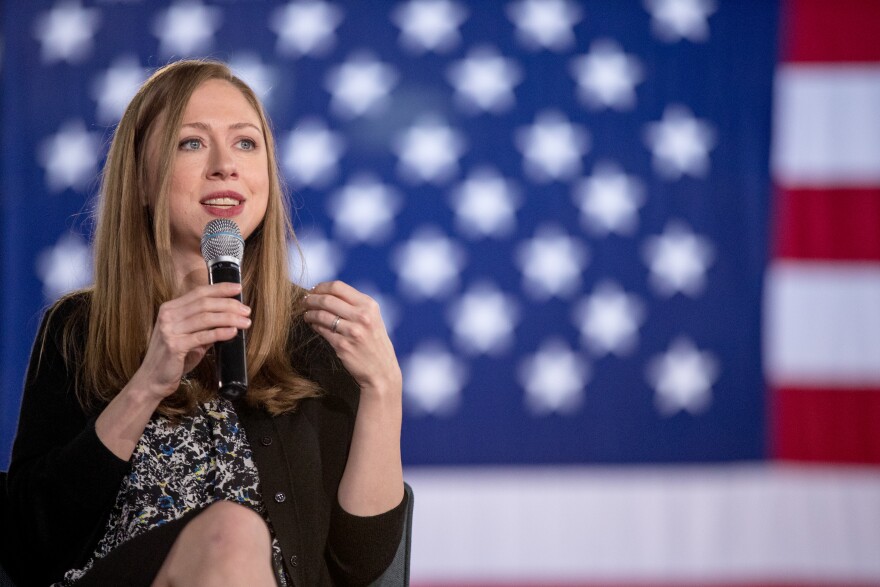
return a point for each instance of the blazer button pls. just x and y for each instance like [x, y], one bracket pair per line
[294, 561]
[280, 497]
[266, 440]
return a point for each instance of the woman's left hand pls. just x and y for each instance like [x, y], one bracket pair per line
[352, 324]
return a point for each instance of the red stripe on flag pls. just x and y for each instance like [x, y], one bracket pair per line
[822, 31]
[840, 224]
[827, 425]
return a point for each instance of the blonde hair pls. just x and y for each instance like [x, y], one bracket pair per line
[133, 267]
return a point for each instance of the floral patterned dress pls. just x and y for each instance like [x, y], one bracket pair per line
[176, 468]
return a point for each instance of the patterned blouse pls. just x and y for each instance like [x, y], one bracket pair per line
[176, 468]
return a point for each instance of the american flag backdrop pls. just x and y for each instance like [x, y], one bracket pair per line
[628, 252]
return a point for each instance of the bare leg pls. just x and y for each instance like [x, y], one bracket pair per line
[226, 545]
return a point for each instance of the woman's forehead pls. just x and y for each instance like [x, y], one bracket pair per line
[219, 100]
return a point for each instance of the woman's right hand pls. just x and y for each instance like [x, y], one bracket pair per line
[185, 329]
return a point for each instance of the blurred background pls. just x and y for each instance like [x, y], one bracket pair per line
[628, 252]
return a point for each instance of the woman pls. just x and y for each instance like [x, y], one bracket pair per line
[127, 467]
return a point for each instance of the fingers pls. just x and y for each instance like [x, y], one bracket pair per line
[213, 297]
[205, 338]
[326, 322]
[203, 308]
[341, 290]
[335, 310]
[337, 298]
[203, 316]
[206, 319]
[217, 290]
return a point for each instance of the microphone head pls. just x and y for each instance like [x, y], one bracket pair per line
[222, 241]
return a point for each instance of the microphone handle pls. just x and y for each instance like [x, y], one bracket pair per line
[229, 355]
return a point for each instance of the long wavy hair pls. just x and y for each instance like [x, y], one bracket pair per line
[134, 274]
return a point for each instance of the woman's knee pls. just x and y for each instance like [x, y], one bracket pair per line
[220, 543]
[229, 526]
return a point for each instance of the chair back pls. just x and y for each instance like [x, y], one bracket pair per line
[5, 581]
[397, 574]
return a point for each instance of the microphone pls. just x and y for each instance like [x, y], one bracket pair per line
[222, 249]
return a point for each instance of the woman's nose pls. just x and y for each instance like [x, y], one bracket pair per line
[222, 163]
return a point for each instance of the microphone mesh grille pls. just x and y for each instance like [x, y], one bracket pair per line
[222, 238]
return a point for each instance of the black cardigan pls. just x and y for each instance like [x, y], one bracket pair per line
[63, 481]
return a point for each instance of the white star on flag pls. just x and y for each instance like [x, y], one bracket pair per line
[428, 264]
[428, 151]
[250, 68]
[551, 263]
[609, 319]
[606, 76]
[65, 267]
[545, 24]
[66, 32]
[483, 319]
[674, 20]
[429, 25]
[484, 80]
[360, 85]
[680, 143]
[485, 204]
[311, 153]
[609, 200]
[682, 378]
[306, 27]
[186, 28]
[70, 157]
[432, 379]
[114, 88]
[554, 378]
[678, 260]
[316, 260]
[552, 147]
[364, 209]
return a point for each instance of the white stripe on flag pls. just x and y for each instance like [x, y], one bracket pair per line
[822, 324]
[675, 524]
[825, 125]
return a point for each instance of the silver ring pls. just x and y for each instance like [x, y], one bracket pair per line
[335, 324]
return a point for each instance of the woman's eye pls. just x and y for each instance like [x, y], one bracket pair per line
[191, 144]
[247, 144]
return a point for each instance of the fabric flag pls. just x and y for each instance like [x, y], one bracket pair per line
[627, 252]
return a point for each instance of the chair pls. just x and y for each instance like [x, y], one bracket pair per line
[5, 581]
[396, 575]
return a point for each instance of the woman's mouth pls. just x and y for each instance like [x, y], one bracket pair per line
[224, 205]
[224, 202]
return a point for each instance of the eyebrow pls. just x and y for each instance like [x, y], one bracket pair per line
[236, 126]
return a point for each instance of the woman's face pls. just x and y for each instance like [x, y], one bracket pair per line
[220, 167]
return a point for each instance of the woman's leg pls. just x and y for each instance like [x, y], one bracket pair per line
[225, 545]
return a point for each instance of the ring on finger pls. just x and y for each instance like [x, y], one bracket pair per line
[335, 324]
